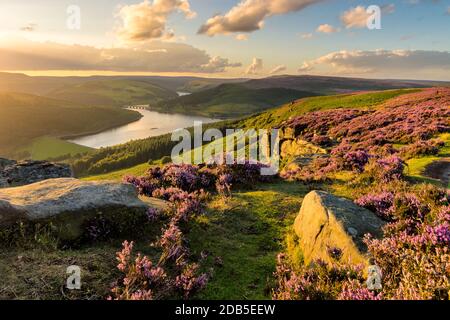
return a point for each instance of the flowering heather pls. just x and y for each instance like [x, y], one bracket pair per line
[318, 282]
[188, 283]
[351, 135]
[381, 204]
[353, 290]
[356, 160]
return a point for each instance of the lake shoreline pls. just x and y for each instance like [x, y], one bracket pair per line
[87, 134]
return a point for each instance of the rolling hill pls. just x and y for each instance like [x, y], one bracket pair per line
[113, 93]
[334, 85]
[228, 101]
[25, 117]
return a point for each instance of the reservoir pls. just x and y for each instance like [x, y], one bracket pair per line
[150, 125]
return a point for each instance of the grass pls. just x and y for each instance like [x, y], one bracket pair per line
[417, 166]
[275, 117]
[137, 171]
[246, 232]
[44, 148]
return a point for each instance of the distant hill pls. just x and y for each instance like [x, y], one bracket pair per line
[333, 85]
[228, 101]
[25, 117]
[113, 93]
[44, 85]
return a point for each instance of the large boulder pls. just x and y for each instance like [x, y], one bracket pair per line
[68, 202]
[21, 173]
[327, 222]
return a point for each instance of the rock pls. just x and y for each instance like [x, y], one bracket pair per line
[28, 172]
[300, 162]
[326, 222]
[5, 162]
[68, 202]
[299, 147]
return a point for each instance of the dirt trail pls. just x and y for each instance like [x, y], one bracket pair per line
[439, 170]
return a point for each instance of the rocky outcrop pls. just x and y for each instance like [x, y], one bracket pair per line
[68, 202]
[21, 173]
[299, 147]
[327, 222]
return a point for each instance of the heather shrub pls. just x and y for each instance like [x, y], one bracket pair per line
[421, 148]
[320, 281]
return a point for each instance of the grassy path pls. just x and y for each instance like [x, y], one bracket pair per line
[246, 233]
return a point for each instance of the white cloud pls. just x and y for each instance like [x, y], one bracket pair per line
[396, 63]
[147, 20]
[326, 28]
[278, 69]
[156, 56]
[357, 17]
[306, 36]
[241, 37]
[249, 15]
[256, 67]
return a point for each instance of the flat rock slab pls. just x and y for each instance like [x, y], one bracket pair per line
[327, 222]
[70, 198]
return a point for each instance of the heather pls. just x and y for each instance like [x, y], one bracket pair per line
[176, 274]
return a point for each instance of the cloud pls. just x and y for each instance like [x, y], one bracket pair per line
[306, 36]
[395, 63]
[357, 17]
[147, 20]
[255, 67]
[249, 15]
[241, 37]
[156, 56]
[29, 27]
[278, 69]
[326, 28]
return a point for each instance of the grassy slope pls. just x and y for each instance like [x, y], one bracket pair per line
[113, 93]
[276, 116]
[24, 118]
[417, 166]
[230, 101]
[44, 148]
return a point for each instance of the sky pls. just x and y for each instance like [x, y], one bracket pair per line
[227, 38]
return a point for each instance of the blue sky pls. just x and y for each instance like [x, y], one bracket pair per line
[289, 38]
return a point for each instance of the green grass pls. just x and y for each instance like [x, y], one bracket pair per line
[136, 171]
[49, 148]
[275, 117]
[246, 232]
[417, 166]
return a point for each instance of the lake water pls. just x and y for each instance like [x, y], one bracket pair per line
[150, 125]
